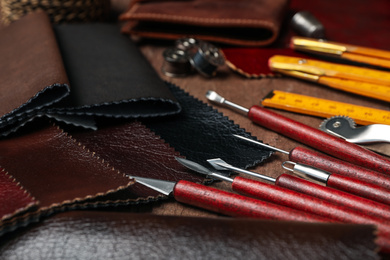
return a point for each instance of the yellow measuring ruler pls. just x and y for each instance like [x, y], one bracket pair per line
[362, 81]
[325, 108]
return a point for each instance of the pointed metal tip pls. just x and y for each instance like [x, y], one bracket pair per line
[193, 166]
[217, 163]
[215, 97]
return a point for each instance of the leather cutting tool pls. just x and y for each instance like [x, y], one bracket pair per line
[375, 137]
[293, 199]
[353, 178]
[362, 81]
[310, 136]
[344, 51]
[226, 203]
[334, 196]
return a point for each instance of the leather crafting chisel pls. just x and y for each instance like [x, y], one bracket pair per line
[296, 200]
[310, 136]
[226, 203]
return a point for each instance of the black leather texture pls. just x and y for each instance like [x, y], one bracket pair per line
[108, 75]
[200, 132]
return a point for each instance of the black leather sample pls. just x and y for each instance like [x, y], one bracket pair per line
[113, 235]
[108, 75]
[199, 132]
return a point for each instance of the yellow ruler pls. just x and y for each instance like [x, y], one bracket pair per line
[325, 108]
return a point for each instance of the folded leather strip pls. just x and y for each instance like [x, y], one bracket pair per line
[200, 132]
[32, 75]
[247, 23]
[57, 171]
[109, 75]
[93, 235]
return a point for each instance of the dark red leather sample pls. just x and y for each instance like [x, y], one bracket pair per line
[250, 22]
[58, 171]
[109, 76]
[113, 235]
[199, 133]
[14, 198]
[32, 75]
[135, 150]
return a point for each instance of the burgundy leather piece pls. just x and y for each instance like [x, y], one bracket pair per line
[363, 23]
[113, 235]
[32, 75]
[58, 171]
[135, 150]
[250, 22]
[14, 198]
[253, 62]
[109, 76]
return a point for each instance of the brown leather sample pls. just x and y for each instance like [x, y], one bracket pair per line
[32, 75]
[59, 11]
[113, 235]
[135, 150]
[58, 171]
[250, 22]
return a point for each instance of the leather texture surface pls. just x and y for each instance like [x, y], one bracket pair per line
[250, 22]
[135, 150]
[14, 198]
[108, 75]
[200, 133]
[113, 235]
[32, 75]
[58, 171]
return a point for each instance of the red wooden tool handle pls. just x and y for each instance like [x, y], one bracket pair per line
[333, 165]
[363, 205]
[355, 186]
[306, 203]
[319, 140]
[236, 205]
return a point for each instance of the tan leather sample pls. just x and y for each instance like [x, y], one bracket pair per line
[251, 22]
[32, 74]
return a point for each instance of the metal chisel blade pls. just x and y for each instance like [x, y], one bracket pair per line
[165, 187]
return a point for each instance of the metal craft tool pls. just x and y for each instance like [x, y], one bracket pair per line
[337, 174]
[375, 137]
[324, 108]
[366, 206]
[293, 199]
[349, 52]
[310, 136]
[226, 203]
[366, 82]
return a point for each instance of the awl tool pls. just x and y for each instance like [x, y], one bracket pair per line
[374, 137]
[226, 203]
[336, 173]
[366, 206]
[310, 136]
[293, 199]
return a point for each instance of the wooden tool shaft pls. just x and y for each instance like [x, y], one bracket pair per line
[235, 205]
[319, 140]
[363, 205]
[336, 166]
[306, 203]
